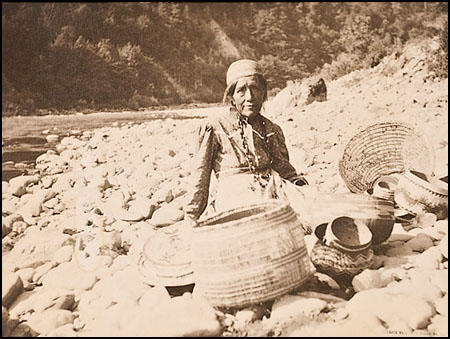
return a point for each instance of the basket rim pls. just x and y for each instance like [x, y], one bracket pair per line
[356, 181]
[277, 204]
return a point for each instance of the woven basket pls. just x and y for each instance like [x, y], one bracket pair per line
[166, 258]
[348, 234]
[340, 265]
[418, 193]
[249, 255]
[382, 149]
[377, 214]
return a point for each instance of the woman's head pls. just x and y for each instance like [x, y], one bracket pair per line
[246, 87]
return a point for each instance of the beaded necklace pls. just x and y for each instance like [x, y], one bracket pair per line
[262, 179]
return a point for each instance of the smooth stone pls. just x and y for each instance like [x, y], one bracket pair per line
[50, 320]
[291, 306]
[64, 254]
[368, 279]
[66, 330]
[69, 275]
[420, 242]
[443, 246]
[393, 308]
[429, 259]
[12, 287]
[441, 305]
[41, 271]
[167, 214]
[438, 326]
[18, 185]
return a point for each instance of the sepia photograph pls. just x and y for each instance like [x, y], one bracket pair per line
[224, 169]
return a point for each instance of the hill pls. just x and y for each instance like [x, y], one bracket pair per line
[91, 56]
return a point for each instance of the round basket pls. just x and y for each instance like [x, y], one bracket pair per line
[418, 193]
[340, 265]
[249, 255]
[348, 234]
[382, 149]
[166, 258]
[376, 213]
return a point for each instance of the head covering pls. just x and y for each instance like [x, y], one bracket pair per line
[239, 69]
[242, 68]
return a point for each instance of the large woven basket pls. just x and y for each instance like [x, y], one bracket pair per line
[249, 255]
[382, 149]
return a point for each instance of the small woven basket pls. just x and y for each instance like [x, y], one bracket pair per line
[166, 258]
[340, 265]
[418, 194]
[249, 255]
[382, 149]
[377, 214]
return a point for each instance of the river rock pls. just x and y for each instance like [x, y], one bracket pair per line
[291, 306]
[368, 279]
[12, 287]
[66, 330]
[69, 275]
[18, 185]
[8, 221]
[430, 259]
[50, 320]
[41, 271]
[442, 226]
[420, 242]
[443, 246]
[438, 326]
[36, 247]
[167, 214]
[64, 254]
[393, 308]
[154, 296]
[399, 234]
[441, 305]
[420, 286]
[9, 205]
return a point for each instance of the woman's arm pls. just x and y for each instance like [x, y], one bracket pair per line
[201, 171]
[280, 156]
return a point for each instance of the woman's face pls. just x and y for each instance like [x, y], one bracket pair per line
[248, 96]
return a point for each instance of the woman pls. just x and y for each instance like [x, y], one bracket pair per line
[246, 151]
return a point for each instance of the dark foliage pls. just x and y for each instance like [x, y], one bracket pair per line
[75, 56]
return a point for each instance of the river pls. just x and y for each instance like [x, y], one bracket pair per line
[24, 137]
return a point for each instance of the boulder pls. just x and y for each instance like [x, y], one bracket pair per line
[50, 320]
[12, 287]
[392, 308]
[69, 275]
[292, 306]
[420, 242]
[36, 247]
[18, 185]
[430, 259]
[167, 214]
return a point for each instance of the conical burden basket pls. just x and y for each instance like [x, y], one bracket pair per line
[382, 149]
[249, 255]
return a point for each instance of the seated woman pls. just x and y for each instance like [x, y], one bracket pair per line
[246, 151]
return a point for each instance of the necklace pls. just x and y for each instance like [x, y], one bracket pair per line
[262, 179]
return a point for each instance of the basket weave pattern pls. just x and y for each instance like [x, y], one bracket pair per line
[338, 264]
[166, 259]
[249, 255]
[383, 149]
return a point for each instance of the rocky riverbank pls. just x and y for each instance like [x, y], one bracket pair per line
[72, 234]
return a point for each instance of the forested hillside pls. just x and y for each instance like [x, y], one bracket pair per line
[79, 56]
